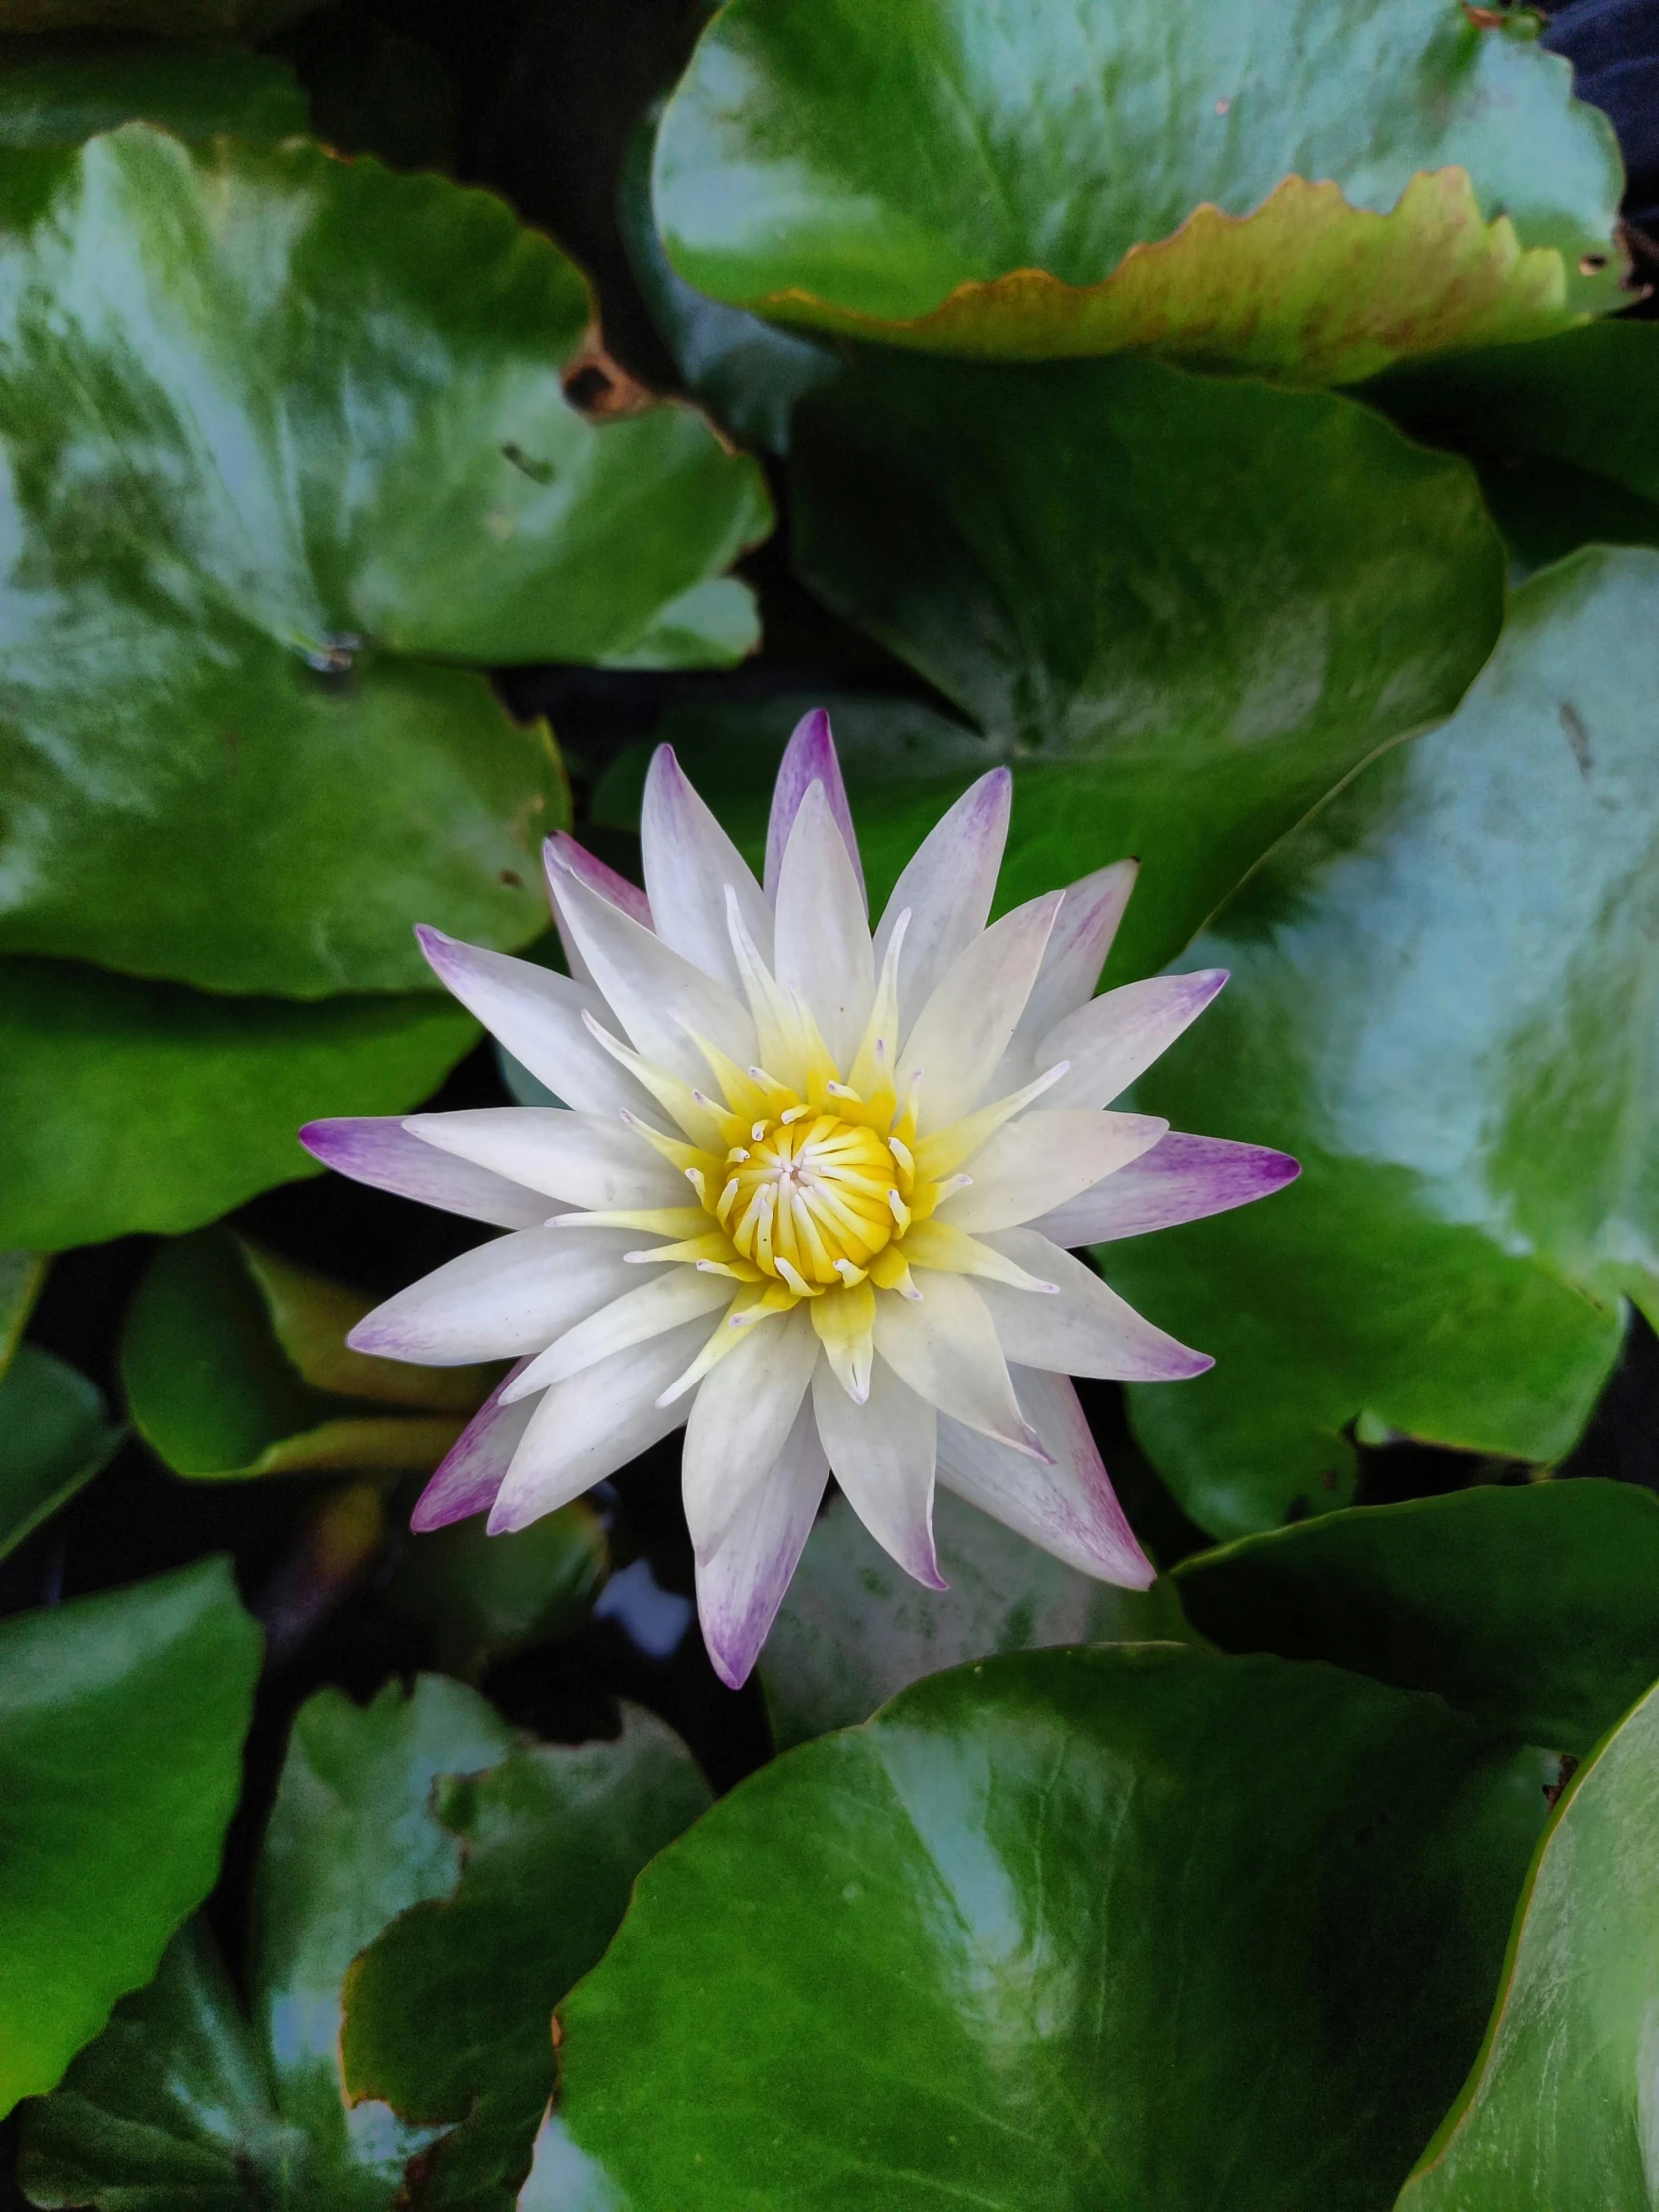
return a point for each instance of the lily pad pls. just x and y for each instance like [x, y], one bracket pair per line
[235, 1365]
[485, 1598]
[130, 1105]
[1440, 1004]
[1531, 1608]
[1132, 1923]
[1306, 190]
[55, 1436]
[258, 507]
[1559, 2115]
[121, 1726]
[853, 1631]
[57, 91]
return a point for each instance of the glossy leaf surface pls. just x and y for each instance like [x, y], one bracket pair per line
[1531, 1608]
[55, 1436]
[58, 91]
[1558, 2114]
[1301, 189]
[301, 484]
[1440, 1004]
[1023, 1937]
[121, 1726]
[484, 1597]
[130, 1105]
[854, 1629]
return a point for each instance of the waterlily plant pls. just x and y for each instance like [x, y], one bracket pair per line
[810, 1193]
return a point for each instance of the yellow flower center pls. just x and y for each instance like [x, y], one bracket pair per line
[809, 1196]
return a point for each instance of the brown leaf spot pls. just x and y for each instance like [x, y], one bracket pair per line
[1578, 736]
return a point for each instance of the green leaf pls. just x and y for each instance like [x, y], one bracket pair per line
[1130, 1925]
[1184, 608]
[171, 2106]
[235, 1365]
[1558, 2113]
[54, 1437]
[304, 475]
[132, 1105]
[1533, 1609]
[21, 1277]
[485, 1598]
[1441, 1005]
[57, 91]
[853, 1631]
[553, 1840]
[121, 1726]
[1309, 190]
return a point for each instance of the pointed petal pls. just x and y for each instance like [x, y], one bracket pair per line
[743, 1409]
[1083, 932]
[947, 889]
[944, 1346]
[510, 1295]
[963, 1030]
[821, 947]
[689, 863]
[808, 758]
[590, 869]
[1182, 1177]
[587, 1427]
[661, 1000]
[1037, 1162]
[844, 1324]
[466, 1482]
[1111, 1039]
[589, 1160]
[1085, 1329]
[1067, 1507]
[881, 1454]
[677, 1294]
[741, 1584]
[379, 1150]
[537, 1015]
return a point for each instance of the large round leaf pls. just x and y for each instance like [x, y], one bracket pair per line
[284, 431]
[1559, 2115]
[1441, 1003]
[1532, 1608]
[1130, 1925]
[143, 1106]
[1301, 188]
[58, 91]
[55, 1436]
[1184, 608]
[121, 1726]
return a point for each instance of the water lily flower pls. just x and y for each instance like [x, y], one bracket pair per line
[810, 1193]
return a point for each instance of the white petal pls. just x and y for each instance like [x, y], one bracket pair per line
[822, 947]
[946, 1347]
[537, 1015]
[1040, 1160]
[741, 1584]
[963, 1030]
[1068, 1507]
[1182, 1177]
[882, 1458]
[810, 758]
[947, 889]
[1076, 952]
[744, 1409]
[377, 1149]
[589, 1160]
[679, 1294]
[1112, 1039]
[689, 863]
[657, 996]
[510, 1295]
[1085, 1329]
[469, 1479]
[590, 869]
[586, 1428]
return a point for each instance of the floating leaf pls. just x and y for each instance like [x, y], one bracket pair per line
[1531, 1608]
[132, 1105]
[854, 1630]
[294, 489]
[1440, 1004]
[484, 1597]
[1130, 1925]
[1558, 2113]
[57, 91]
[121, 1726]
[54, 1437]
[1309, 190]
